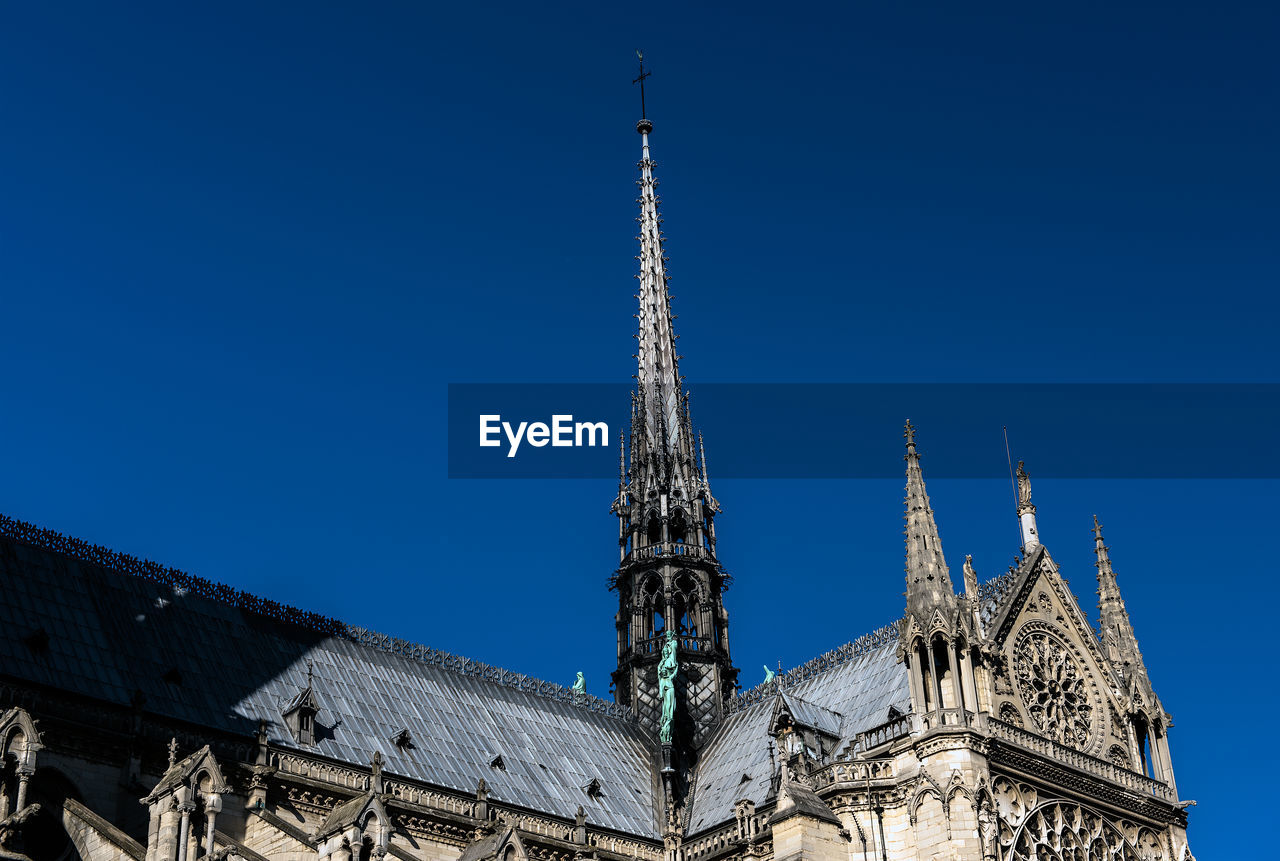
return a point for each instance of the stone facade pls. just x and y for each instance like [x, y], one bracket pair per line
[991, 723]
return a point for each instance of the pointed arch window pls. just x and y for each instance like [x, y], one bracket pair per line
[654, 528]
[678, 528]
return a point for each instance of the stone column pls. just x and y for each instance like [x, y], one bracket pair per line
[24, 775]
[212, 806]
[705, 623]
[1160, 753]
[1135, 753]
[965, 664]
[184, 834]
[185, 807]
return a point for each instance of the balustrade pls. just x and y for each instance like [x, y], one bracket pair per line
[1050, 749]
[685, 643]
[946, 717]
[853, 772]
[668, 548]
[884, 733]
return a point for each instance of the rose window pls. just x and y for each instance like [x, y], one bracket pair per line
[1054, 691]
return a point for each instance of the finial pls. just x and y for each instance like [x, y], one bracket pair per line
[173, 751]
[1100, 550]
[644, 126]
[310, 671]
[909, 432]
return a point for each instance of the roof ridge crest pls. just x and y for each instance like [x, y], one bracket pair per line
[145, 569]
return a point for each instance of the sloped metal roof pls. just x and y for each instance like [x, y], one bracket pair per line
[857, 682]
[860, 689]
[219, 666]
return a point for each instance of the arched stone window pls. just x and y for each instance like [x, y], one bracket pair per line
[654, 528]
[678, 528]
[1060, 831]
[1009, 714]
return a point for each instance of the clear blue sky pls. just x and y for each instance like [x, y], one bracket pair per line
[244, 249]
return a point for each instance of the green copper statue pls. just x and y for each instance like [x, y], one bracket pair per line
[580, 686]
[768, 674]
[667, 686]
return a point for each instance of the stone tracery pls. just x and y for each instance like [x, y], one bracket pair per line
[1054, 690]
[1036, 829]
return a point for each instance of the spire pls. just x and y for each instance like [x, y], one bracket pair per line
[1118, 639]
[1026, 511]
[928, 581]
[669, 580]
[658, 377]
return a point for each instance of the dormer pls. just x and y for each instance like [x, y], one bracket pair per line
[803, 730]
[300, 714]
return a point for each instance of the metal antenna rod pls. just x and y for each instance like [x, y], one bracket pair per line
[640, 81]
[1013, 484]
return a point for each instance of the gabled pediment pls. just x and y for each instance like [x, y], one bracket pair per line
[938, 622]
[504, 843]
[1053, 679]
[791, 711]
[355, 812]
[18, 734]
[199, 771]
[1017, 596]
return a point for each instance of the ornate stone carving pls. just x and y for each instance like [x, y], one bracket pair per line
[1063, 831]
[1033, 827]
[1054, 690]
[1119, 757]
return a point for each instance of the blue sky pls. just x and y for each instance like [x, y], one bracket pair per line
[244, 249]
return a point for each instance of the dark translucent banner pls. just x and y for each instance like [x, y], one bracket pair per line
[820, 430]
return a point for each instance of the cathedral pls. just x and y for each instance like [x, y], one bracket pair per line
[147, 714]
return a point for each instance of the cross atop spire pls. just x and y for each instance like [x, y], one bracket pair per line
[640, 80]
